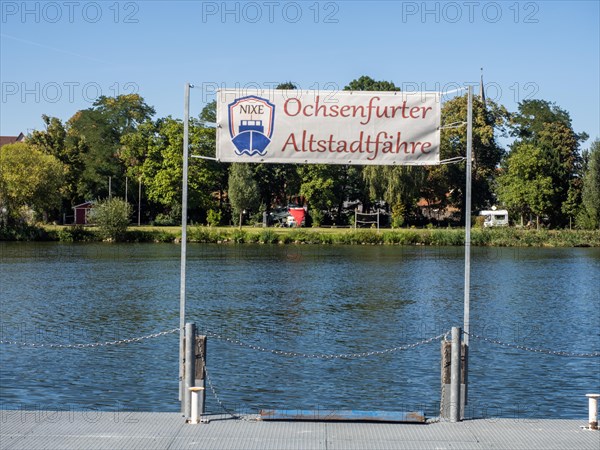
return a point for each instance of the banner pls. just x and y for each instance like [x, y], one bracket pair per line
[328, 127]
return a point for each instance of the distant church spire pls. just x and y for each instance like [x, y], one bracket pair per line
[481, 89]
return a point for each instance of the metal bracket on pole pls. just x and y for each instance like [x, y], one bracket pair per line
[210, 158]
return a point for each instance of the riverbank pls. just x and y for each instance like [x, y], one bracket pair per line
[500, 237]
[100, 430]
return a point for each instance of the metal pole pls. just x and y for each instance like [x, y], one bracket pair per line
[139, 201]
[109, 187]
[126, 189]
[455, 376]
[184, 195]
[190, 366]
[466, 321]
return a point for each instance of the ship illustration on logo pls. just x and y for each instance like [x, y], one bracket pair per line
[251, 122]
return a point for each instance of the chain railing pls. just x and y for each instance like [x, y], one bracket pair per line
[91, 345]
[535, 350]
[300, 354]
[224, 408]
[323, 355]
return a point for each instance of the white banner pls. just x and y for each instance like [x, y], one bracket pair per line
[328, 127]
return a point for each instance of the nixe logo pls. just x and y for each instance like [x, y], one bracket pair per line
[251, 121]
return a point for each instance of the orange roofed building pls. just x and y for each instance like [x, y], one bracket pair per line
[11, 139]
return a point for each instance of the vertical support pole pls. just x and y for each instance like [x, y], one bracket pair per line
[126, 183]
[139, 201]
[184, 195]
[467, 306]
[109, 187]
[190, 366]
[455, 403]
[355, 217]
[593, 410]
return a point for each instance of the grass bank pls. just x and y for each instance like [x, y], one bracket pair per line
[501, 237]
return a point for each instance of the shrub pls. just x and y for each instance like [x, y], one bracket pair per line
[24, 232]
[238, 236]
[398, 212]
[299, 236]
[75, 233]
[206, 235]
[317, 217]
[268, 237]
[362, 237]
[149, 236]
[112, 218]
[213, 218]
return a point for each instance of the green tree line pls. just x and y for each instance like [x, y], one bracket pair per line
[544, 178]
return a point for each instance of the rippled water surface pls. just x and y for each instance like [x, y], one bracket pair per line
[305, 299]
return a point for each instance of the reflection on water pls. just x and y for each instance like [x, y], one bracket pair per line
[305, 299]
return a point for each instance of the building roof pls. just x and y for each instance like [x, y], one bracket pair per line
[11, 139]
[84, 205]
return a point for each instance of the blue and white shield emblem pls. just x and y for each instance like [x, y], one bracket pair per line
[251, 122]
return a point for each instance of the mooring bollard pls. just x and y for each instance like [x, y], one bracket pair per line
[593, 410]
[195, 416]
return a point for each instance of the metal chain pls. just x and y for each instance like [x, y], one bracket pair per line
[324, 355]
[536, 350]
[95, 344]
[219, 401]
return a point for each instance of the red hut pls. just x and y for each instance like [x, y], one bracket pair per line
[82, 213]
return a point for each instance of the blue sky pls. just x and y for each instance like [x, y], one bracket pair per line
[56, 57]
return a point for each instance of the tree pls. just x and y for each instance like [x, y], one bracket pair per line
[525, 185]
[112, 218]
[589, 217]
[96, 135]
[318, 185]
[124, 113]
[243, 190]
[532, 116]
[277, 182]
[378, 182]
[446, 183]
[548, 127]
[55, 141]
[366, 83]
[28, 179]
[398, 186]
[162, 169]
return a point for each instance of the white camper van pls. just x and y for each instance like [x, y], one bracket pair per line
[495, 218]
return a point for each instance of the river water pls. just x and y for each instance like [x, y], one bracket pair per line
[303, 299]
